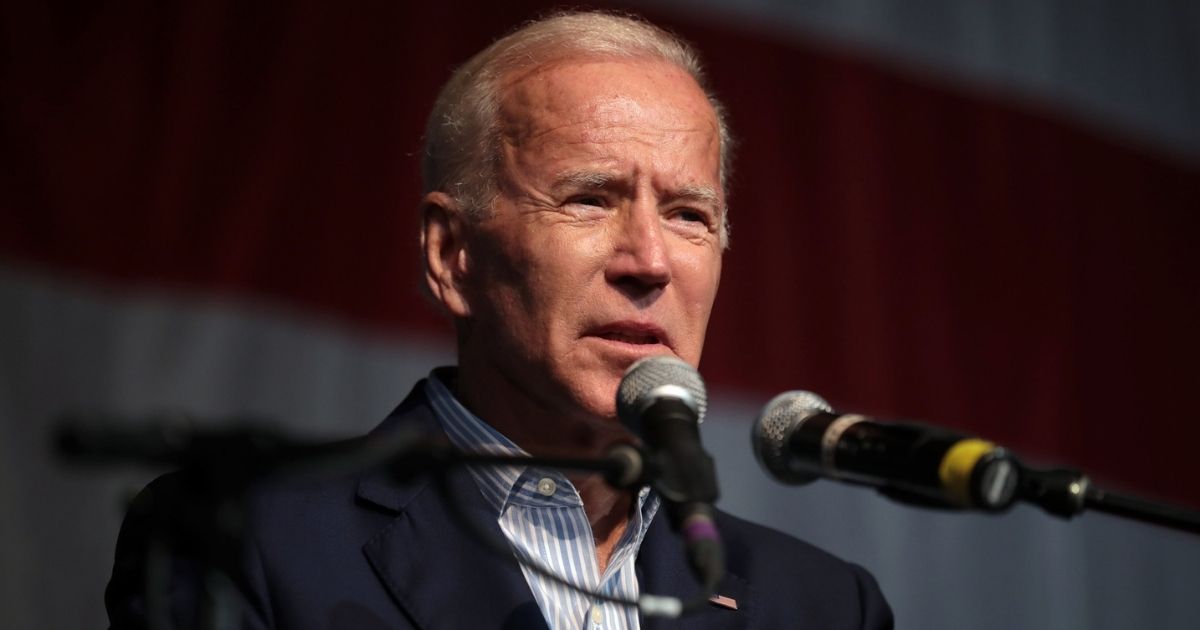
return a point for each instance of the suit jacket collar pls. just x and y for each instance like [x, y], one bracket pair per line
[436, 569]
[444, 578]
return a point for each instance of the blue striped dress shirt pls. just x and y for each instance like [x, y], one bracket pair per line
[542, 516]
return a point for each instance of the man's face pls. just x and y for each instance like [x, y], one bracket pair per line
[604, 243]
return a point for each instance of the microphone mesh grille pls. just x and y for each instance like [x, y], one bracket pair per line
[650, 373]
[777, 419]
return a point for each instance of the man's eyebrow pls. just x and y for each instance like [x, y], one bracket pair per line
[583, 179]
[586, 179]
[698, 192]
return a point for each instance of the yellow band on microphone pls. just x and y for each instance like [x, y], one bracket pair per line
[957, 465]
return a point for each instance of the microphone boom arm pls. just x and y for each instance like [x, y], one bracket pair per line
[1066, 493]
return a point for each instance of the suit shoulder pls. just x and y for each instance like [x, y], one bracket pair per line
[750, 540]
[790, 575]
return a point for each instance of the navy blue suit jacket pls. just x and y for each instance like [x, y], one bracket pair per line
[369, 552]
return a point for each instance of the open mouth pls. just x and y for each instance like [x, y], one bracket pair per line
[624, 336]
[632, 333]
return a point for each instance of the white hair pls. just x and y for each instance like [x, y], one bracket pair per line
[462, 135]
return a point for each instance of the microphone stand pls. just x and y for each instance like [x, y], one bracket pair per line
[204, 512]
[624, 467]
[1066, 493]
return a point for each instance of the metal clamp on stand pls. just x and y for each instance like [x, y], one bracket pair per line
[1064, 492]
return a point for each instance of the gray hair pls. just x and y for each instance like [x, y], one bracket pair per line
[462, 135]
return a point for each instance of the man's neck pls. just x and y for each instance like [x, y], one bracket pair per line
[608, 510]
[538, 431]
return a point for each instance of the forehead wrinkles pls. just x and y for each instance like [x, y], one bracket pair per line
[586, 136]
[614, 116]
[596, 119]
[647, 96]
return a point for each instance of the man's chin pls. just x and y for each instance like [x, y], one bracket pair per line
[596, 400]
[601, 407]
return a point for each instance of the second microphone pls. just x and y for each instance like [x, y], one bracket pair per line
[798, 438]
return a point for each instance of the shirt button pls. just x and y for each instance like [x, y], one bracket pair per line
[597, 615]
[546, 487]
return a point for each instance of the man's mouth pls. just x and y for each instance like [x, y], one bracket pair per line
[634, 333]
[628, 337]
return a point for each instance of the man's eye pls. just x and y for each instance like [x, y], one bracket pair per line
[588, 200]
[690, 215]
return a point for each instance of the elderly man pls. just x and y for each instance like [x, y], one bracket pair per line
[573, 222]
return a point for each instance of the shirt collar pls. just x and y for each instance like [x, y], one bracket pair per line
[504, 485]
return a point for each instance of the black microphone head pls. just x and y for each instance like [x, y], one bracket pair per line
[775, 423]
[652, 377]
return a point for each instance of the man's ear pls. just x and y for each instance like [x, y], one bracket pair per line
[444, 247]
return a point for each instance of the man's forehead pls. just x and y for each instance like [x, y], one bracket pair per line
[600, 92]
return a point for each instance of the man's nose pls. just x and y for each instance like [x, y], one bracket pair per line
[640, 262]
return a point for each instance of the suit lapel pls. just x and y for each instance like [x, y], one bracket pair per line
[663, 570]
[434, 566]
[444, 578]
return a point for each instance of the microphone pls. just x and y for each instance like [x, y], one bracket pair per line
[663, 400]
[799, 438]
